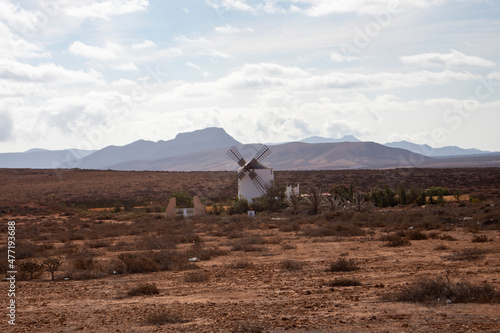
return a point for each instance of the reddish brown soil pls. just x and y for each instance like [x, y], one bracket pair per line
[264, 294]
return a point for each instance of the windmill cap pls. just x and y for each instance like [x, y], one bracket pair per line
[256, 165]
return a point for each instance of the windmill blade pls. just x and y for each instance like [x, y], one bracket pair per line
[233, 183]
[262, 153]
[236, 156]
[241, 174]
[251, 164]
[258, 182]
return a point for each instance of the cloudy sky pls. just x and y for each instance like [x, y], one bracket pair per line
[87, 74]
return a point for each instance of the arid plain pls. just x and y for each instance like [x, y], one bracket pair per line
[410, 268]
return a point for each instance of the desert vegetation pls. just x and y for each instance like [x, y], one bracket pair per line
[335, 260]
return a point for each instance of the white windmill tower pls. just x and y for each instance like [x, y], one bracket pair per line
[253, 177]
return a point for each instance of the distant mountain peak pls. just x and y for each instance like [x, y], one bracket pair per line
[427, 150]
[204, 131]
[320, 139]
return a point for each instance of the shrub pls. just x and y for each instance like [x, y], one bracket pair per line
[314, 200]
[196, 277]
[247, 244]
[334, 229]
[83, 261]
[162, 317]
[138, 263]
[479, 239]
[467, 254]
[204, 253]
[240, 206]
[415, 235]
[344, 282]
[292, 265]
[144, 289]
[31, 269]
[395, 240]
[343, 265]
[427, 290]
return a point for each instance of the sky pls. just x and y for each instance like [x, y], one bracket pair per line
[87, 74]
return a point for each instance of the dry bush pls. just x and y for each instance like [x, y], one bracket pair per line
[438, 290]
[144, 289]
[467, 254]
[163, 317]
[292, 265]
[395, 240]
[27, 250]
[248, 244]
[198, 276]
[448, 238]
[153, 242]
[96, 244]
[334, 229]
[343, 282]
[343, 265]
[138, 263]
[480, 239]
[415, 235]
[201, 252]
[30, 270]
[289, 226]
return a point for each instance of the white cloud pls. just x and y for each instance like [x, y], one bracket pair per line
[227, 29]
[6, 126]
[106, 9]
[126, 67]
[144, 45]
[14, 46]
[190, 64]
[343, 58]
[230, 4]
[317, 8]
[182, 38]
[94, 52]
[49, 72]
[19, 19]
[215, 53]
[452, 59]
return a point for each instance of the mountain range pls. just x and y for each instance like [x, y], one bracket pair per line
[205, 150]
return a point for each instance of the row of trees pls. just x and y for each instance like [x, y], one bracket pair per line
[339, 197]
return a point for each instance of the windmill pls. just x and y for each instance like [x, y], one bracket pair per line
[253, 177]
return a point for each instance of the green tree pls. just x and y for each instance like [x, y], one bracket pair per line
[183, 199]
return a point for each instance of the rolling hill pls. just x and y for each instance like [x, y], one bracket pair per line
[205, 150]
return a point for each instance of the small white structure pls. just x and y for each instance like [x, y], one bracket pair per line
[253, 177]
[292, 190]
